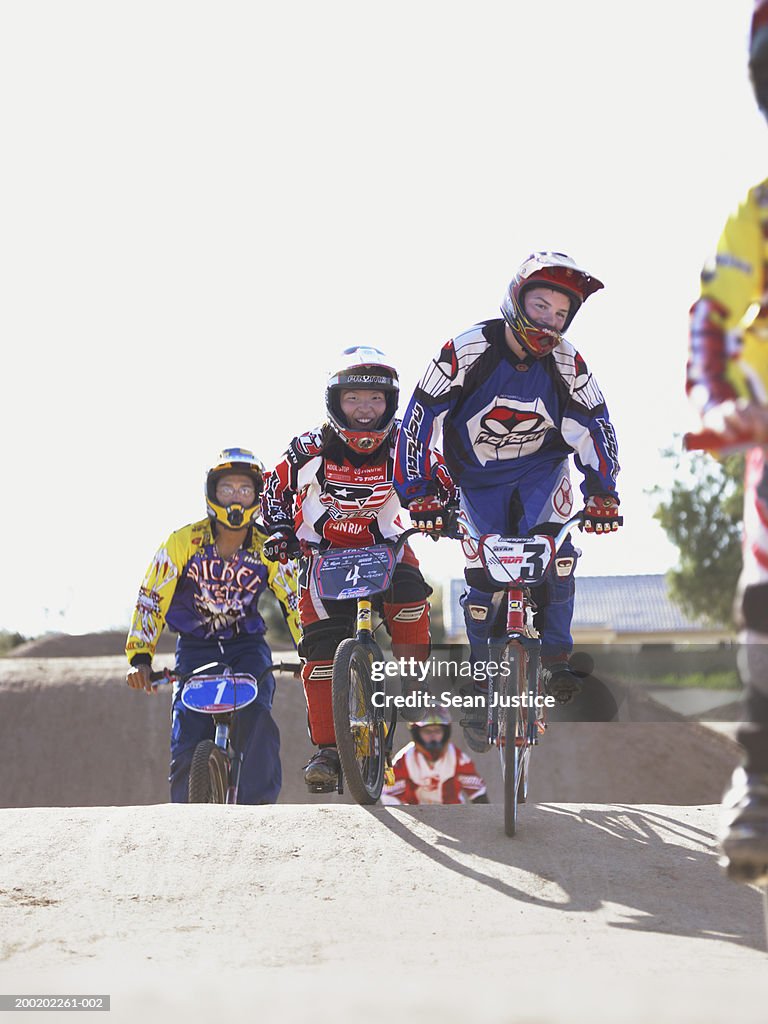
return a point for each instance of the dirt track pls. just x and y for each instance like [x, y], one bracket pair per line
[294, 914]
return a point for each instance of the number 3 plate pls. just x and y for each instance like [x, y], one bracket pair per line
[516, 559]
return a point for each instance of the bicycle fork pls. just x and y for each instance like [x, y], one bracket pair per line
[221, 739]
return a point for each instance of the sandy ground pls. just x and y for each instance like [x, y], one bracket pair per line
[608, 906]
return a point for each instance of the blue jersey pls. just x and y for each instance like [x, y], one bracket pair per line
[498, 413]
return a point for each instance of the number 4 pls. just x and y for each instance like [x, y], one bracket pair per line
[353, 575]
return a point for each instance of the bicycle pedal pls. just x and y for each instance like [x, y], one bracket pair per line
[322, 787]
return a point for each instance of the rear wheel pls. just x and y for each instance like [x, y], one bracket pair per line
[209, 774]
[359, 726]
[514, 741]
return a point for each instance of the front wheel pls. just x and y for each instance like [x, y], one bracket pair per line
[513, 735]
[209, 774]
[359, 726]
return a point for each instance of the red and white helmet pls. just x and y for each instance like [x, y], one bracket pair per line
[367, 369]
[545, 270]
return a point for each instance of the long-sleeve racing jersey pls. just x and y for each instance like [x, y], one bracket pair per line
[451, 779]
[728, 356]
[191, 589]
[497, 412]
[330, 494]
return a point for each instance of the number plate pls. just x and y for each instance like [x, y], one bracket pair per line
[353, 572]
[218, 694]
[516, 559]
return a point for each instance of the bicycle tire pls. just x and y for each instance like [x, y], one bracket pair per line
[359, 730]
[515, 747]
[208, 775]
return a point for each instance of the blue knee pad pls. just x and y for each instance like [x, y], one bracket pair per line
[554, 599]
[480, 611]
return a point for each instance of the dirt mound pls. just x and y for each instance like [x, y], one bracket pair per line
[85, 645]
[73, 734]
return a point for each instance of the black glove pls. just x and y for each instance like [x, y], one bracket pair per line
[282, 546]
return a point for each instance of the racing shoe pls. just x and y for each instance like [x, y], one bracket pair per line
[561, 682]
[474, 724]
[321, 773]
[411, 687]
[744, 828]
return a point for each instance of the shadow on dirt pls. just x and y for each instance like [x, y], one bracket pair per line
[647, 871]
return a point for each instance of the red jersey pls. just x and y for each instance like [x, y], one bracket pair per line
[451, 779]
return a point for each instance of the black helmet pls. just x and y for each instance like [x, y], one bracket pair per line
[758, 54]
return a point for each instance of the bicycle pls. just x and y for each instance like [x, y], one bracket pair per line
[515, 692]
[214, 689]
[364, 732]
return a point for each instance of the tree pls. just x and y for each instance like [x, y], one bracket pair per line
[702, 515]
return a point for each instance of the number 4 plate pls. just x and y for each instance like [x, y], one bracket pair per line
[353, 572]
[516, 559]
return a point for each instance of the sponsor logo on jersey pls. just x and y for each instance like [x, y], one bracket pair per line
[508, 429]
[412, 446]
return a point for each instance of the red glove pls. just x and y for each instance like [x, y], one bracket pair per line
[428, 513]
[601, 514]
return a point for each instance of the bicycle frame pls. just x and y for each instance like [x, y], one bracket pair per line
[364, 731]
[532, 558]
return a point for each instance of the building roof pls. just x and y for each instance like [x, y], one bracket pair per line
[618, 604]
[629, 604]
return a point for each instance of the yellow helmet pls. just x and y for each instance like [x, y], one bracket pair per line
[233, 460]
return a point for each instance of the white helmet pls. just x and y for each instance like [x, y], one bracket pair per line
[367, 369]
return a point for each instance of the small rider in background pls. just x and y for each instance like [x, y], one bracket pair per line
[432, 770]
[728, 383]
[334, 488]
[204, 583]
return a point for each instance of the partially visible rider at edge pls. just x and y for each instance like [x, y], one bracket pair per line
[204, 583]
[513, 400]
[333, 487]
[432, 770]
[728, 383]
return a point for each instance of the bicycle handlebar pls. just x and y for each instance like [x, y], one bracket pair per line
[166, 676]
[576, 520]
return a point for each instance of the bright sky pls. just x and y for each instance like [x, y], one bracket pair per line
[203, 204]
